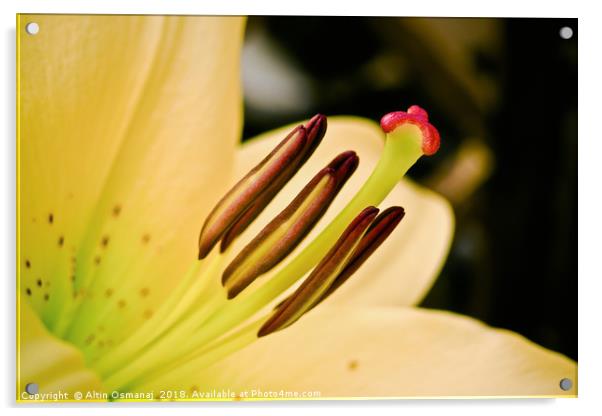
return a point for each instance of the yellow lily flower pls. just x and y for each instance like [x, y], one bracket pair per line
[129, 133]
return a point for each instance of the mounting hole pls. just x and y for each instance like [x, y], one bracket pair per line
[32, 28]
[566, 384]
[32, 388]
[566, 32]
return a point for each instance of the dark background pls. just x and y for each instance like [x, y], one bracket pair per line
[503, 94]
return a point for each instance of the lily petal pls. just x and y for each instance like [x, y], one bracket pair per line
[392, 352]
[403, 269]
[128, 129]
[52, 364]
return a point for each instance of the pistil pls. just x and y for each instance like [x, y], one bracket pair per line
[342, 246]
[404, 144]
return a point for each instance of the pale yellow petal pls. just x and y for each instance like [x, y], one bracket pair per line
[128, 127]
[384, 352]
[405, 266]
[50, 363]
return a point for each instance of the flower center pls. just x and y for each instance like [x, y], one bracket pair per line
[219, 308]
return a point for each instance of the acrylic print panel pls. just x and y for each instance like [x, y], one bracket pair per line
[172, 246]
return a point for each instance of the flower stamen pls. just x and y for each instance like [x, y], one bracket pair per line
[267, 179]
[404, 145]
[377, 233]
[315, 129]
[322, 277]
[288, 229]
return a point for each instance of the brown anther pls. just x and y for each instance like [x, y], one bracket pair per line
[361, 238]
[376, 234]
[254, 191]
[288, 229]
[316, 129]
[312, 288]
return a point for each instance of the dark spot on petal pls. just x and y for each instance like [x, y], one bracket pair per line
[109, 343]
[28, 264]
[194, 388]
[46, 297]
[116, 210]
[97, 260]
[39, 282]
[90, 338]
[121, 304]
[105, 241]
[352, 365]
[73, 278]
[101, 344]
[101, 328]
[50, 218]
[61, 241]
[144, 292]
[28, 291]
[146, 238]
[109, 293]
[148, 314]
